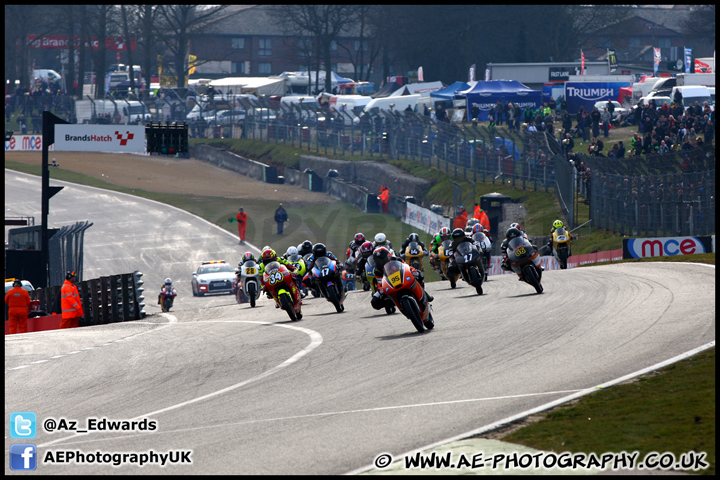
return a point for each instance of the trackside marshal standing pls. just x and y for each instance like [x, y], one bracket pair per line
[241, 219]
[18, 301]
[70, 302]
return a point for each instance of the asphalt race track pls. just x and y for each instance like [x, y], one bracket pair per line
[248, 392]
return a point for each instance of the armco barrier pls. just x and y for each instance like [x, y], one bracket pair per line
[608, 256]
[236, 163]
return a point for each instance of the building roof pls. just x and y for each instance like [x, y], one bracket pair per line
[245, 20]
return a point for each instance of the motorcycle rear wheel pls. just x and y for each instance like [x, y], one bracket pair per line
[286, 304]
[530, 275]
[412, 311]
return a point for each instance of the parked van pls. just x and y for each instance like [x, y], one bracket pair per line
[664, 86]
[134, 112]
[49, 75]
[397, 104]
[353, 104]
[693, 94]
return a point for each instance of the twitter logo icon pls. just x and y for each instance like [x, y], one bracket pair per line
[23, 425]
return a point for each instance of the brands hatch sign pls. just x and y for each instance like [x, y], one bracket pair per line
[100, 138]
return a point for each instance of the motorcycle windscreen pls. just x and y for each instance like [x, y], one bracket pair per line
[250, 268]
[323, 267]
[414, 248]
[519, 247]
[561, 235]
[465, 250]
[393, 272]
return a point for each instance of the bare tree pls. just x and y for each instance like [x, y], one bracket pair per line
[20, 22]
[323, 22]
[180, 24]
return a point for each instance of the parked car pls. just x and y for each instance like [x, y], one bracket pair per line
[196, 114]
[262, 114]
[214, 276]
[619, 111]
[25, 284]
[227, 118]
[658, 100]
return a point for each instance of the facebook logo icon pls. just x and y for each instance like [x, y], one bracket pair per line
[23, 456]
[23, 425]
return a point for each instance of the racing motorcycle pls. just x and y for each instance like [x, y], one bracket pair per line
[279, 281]
[413, 255]
[323, 275]
[561, 246]
[444, 261]
[313, 287]
[298, 262]
[468, 260]
[167, 297]
[399, 285]
[486, 248]
[249, 286]
[525, 261]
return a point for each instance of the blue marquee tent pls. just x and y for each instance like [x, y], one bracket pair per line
[448, 93]
[486, 94]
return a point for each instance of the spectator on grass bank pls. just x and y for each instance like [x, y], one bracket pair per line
[281, 217]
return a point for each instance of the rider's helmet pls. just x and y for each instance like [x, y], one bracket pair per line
[381, 255]
[307, 245]
[444, 233]
[168, 281]
[380, 239]
[248, 256]
[359, 238]
[513, 233]
[291, 251]
[366, 249]
[268, 255]
[414, 237]
[319, 250]
[558, 224]
[457, 234]
[477, 228]
[515, 225]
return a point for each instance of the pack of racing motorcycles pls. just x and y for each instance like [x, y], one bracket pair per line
[394, 278]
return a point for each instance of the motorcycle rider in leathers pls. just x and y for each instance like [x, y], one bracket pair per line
[382, 256]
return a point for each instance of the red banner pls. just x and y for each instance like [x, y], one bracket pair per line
[61, 42]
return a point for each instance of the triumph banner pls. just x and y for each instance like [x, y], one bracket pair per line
[424, 219]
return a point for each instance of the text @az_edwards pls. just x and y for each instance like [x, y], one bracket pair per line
[94, 424]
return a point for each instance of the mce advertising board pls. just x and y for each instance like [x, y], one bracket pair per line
[585, 94]
[666, 246]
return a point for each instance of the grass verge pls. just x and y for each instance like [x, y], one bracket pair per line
[670, 410]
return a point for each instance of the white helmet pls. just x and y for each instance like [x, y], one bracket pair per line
[168, 281]
[291, 251]
[515, 225]
[380, 239]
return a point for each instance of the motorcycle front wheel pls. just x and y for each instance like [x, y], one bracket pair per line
[562, 257]
[475, 280]
[412, 311]
[287, 305]
[333, 298]
[252, 293]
